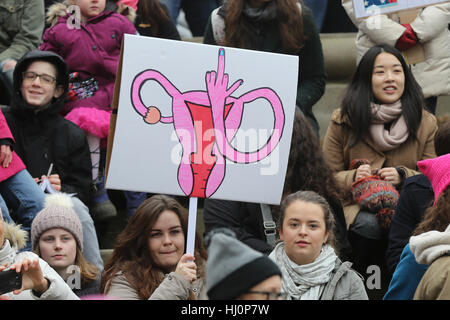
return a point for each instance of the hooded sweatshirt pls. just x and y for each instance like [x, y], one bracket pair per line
[45, 137]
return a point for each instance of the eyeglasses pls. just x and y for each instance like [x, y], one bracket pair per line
[46, 79]
[270, 295]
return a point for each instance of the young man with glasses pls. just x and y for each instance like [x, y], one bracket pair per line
[52, 147]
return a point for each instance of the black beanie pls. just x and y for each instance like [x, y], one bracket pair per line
[233, 267]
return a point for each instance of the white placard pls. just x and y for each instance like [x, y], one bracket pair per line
[180, 131]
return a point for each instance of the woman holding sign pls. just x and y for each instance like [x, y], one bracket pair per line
[381, 119]
[148, 261]
[282, 26]
[423, 38]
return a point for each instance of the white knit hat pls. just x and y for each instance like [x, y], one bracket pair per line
[57, 213]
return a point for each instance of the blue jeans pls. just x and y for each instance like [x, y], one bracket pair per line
[319, 9]
[21, 194]
[91, 249]
[8, 74]
[134, 200]
[196, 11]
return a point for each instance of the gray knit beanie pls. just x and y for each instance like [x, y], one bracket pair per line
[233, 267]
[57, 213]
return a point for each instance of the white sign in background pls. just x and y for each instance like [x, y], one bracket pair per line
[366, 8]
[146, 157]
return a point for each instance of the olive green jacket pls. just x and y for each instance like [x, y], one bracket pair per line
[21, 26]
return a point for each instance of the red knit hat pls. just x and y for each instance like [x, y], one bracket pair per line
[437, 170]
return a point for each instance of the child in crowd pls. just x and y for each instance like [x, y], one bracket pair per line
[90, 44]
[18, 190]
[306, 256]
[57, 237]
[381, 118]
[234, 271]
[39, 280]
[53, 149]
[148, 261]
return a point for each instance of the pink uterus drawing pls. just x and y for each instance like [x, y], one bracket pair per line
[205, 122]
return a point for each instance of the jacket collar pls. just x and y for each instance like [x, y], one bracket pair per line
[7, 253]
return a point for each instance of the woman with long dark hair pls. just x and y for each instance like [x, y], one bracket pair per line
[148, 261]
[381, 119]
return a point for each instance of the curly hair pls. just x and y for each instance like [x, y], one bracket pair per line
[240, 31]
[436, 217]
[131, 253]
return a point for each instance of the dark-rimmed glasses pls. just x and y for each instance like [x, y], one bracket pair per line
[270, 295]
[30, 76]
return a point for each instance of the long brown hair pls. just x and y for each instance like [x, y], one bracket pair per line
[131, 254]
[150, 12]
[289, 20]
[436, 217]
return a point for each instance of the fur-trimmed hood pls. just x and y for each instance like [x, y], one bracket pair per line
[16, 236]
[60, 9]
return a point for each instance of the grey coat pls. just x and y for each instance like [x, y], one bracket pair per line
[173, 287]
[346, 284]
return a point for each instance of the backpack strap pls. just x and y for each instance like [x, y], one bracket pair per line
[270, 228]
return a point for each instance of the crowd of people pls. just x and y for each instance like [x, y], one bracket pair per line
[373, 192]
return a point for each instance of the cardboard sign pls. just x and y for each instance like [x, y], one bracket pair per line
[201, 120]
[366, 8]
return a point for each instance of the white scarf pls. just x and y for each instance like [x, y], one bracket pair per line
[304, 282]
[431, 245]
[398, 132]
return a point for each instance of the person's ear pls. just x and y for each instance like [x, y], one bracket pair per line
[59, 90]
[280, 233]
[326, 238]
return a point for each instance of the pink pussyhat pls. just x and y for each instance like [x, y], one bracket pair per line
[437, 170]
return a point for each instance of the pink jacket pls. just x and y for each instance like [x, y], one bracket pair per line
[93, 50]
[16, 164]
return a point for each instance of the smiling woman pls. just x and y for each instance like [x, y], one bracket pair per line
[381, 119]
[148, 261]
[310, 267]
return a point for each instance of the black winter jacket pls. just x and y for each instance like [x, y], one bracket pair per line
[416, 196]
[45, 137]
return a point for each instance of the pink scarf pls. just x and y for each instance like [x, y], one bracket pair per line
[397, 133]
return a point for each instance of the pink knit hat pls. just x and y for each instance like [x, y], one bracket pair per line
[437, 170]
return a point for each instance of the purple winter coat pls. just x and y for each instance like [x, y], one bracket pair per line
[93, 50]
[16, 164]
